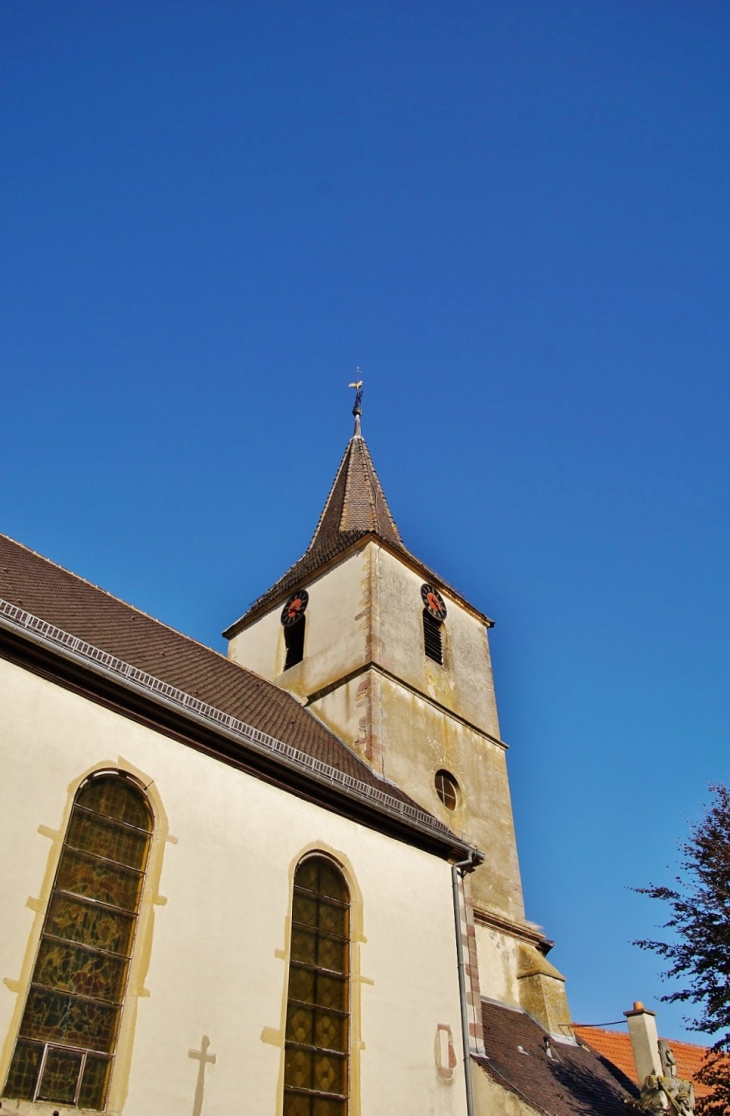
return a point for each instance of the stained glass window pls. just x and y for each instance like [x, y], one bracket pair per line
[317, 1018]
[69, 1028]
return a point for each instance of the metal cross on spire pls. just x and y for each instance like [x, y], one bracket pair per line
[357, 409]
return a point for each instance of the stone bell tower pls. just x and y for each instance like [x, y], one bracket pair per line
[397, 664]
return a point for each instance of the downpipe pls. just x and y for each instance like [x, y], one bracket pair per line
[458, 871]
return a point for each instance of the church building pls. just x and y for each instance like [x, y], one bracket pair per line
[281, 882]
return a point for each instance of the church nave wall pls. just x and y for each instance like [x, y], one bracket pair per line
[211, 960]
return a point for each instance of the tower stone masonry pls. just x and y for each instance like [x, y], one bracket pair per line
[363, 669]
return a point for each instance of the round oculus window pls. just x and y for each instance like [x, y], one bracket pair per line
[447, 789]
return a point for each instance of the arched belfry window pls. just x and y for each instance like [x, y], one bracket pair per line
[432, 642]
[316, 1077]
[69, 1028]
[294, 643]
[434, 614]
[294, 622]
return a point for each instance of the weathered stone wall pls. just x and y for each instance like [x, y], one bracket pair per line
[464, 684]
[365, 674]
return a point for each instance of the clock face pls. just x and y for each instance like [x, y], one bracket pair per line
[433, 601]
[294, 608]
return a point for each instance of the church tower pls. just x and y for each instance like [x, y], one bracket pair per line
[397, 664]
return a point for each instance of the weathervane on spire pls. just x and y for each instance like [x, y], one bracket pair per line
[357, 409]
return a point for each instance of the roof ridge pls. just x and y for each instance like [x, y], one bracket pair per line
[371, 492]
[348, 483]
[624, 1035]
[375, 488]
[327, 501]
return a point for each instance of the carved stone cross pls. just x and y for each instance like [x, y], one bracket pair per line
[205, 1059]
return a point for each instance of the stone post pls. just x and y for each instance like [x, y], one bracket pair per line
[644, 1041]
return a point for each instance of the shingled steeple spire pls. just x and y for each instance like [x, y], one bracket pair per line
[355, 510]
[355, 507]
[356, 501]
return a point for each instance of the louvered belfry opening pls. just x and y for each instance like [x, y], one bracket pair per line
[69, 1029]
[316, 1075]
[432, 642]
[294, 640]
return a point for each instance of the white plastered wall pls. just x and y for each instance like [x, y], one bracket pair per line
[497, 954]
[217, 958]
[335, 639]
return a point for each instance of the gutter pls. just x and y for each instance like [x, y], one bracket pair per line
[458, 871]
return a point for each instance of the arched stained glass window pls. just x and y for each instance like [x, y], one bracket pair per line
[69, 1028]
[316, 1078]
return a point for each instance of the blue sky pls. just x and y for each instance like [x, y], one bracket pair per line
[514, 218]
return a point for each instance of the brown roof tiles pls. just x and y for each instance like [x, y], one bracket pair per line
[560, 1079]
[356, 501]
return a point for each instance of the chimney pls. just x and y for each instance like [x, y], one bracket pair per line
[644, 1041]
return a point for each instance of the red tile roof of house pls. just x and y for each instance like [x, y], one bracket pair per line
[616, 1046]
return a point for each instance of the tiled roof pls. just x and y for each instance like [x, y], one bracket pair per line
[70, 603]
[566, 1081]
[616, 1046]
[355, 508]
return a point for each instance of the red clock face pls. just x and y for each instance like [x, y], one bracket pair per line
[433, 601]
[294, 608]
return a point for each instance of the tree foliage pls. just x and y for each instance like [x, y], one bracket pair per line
[698, 955]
